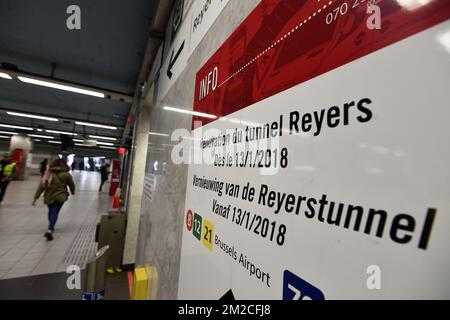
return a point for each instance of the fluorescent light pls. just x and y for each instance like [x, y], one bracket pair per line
[104, 138]
[81, 145]
[16, 127]
[9, 132]
[413, 4]
[62, 87]
[5, 137]
[54, 142]
[245, 123]
[105, 143]
[62, 132]
[194, 113]
[158, 134]
[78, 140]
[5, 76]
[112, 148]
[444, 39]
[37, 140]
[26, 115]
[40, 136]
[191, 138]
[95, 125]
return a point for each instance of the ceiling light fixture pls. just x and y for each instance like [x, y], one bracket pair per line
[62, 132]
[104, 138]
[158, 134]
[40, 136]
[95, 125]
[61, 87]
[444, 39]
[26, 115]
[111, 148]
[54, 142]
[9, 132]
[105, 143]
[16, 127]
[194, 113]
[5, 76]
[5, 137]
[413, 4]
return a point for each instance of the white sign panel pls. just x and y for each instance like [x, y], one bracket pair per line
[335, 188]
[204, 13]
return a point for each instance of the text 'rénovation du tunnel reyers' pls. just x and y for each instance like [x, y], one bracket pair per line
[402, 226]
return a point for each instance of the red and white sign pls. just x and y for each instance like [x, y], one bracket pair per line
[115, 176]
[285, 43]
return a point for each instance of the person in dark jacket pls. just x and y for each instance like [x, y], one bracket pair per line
[43, 166]
[54, 185]
[104, 172]
[7, 172]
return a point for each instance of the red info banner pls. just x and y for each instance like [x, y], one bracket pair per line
[283, 43]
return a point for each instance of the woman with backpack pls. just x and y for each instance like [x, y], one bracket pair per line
[54, 185]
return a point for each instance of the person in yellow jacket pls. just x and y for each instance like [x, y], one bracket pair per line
[7, 172]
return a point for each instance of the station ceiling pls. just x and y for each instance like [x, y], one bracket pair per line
[105, 54]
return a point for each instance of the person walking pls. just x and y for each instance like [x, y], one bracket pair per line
[43, 166]
[104, 175]
[54, 185]
[7, 172]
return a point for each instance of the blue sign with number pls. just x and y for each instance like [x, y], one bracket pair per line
[89, 296]
[295, 288]
[100, 295]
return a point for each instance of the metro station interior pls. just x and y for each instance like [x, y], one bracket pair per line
[210, 150]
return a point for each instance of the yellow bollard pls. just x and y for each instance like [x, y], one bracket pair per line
[152, 276]
[140, 284]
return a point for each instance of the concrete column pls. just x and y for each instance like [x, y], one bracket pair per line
[140, 146]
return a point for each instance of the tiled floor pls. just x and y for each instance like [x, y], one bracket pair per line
[23, 248]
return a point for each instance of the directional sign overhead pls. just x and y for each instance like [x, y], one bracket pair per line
[203, 14]
[190, 21]
[177, 19]
[176, 55]
[173, 59]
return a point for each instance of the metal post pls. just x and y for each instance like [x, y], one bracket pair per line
[94, 284]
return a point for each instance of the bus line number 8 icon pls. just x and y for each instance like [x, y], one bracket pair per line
[189, 220]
